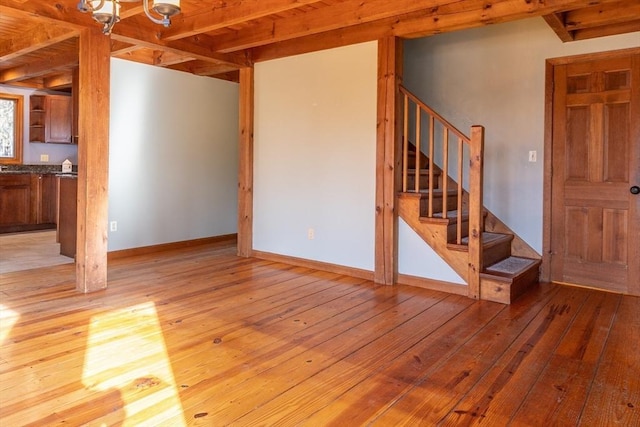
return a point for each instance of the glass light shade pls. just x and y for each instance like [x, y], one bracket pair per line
[105, 13]
[166, 7]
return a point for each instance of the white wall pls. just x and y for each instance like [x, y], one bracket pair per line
[315, 143]
[172, 156]
[495, 76]
[32, 150]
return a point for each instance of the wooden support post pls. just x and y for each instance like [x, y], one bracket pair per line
[476, 153]
[245, 169]
[388, 160]
[93, 160]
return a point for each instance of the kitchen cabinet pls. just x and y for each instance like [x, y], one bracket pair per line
[15, 200]
[67, 214]
[50, 119]
[28, 201]
[47, 199]
[36, 118]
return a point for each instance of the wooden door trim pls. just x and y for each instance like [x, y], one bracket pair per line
[551, 63]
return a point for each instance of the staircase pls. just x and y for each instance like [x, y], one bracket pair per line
[496, 264]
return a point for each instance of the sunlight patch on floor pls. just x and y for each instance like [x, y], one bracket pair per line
[126, 353]
[8, 318]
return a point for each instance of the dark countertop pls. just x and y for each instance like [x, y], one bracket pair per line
[44, 169]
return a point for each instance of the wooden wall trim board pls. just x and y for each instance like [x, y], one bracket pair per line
[245, 168]
[93, 160]
[545, 266]
[434, 285]
[145, 250]
[387, 160]
[318, 265]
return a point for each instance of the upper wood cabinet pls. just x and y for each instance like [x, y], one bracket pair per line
[50, 119]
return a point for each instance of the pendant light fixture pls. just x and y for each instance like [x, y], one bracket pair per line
[107, 12]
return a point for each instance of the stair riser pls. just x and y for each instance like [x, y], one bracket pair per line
[506, 291]
[424, 182]
[452, 231]
[452, 202]
[496, 253]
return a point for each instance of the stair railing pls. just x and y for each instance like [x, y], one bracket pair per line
[469, 148]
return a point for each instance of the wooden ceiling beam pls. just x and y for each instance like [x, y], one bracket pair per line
[39, 68]
[477, 13]
[35, 83]
[140, 31]
[333, 17]
[201, 68]
[120, 48]
[387, 15]
[439, 19]
[218, 15]
[61, 12]
[141, 55]
[556, 22]
[165, 59]
[136, 29]
[37, 37]
[608, 30]
[601, 15]
[59, 81]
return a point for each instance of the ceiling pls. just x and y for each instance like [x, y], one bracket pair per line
[39, 38]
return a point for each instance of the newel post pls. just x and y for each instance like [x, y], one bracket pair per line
[476, 154]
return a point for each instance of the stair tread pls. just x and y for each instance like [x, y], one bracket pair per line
[489, 238]
[437, 192]
[511, 266]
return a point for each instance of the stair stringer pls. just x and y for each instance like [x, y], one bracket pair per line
[434, 234]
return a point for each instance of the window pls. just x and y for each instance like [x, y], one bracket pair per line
[11, 125]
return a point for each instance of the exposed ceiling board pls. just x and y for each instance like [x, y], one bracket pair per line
[216, 38]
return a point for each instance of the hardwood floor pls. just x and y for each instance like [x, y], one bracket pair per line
[198, 336]
[27, 250]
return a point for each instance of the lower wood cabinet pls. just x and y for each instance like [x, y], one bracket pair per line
[15, 200]
[67, 215]
[47, 200]
[27, 202]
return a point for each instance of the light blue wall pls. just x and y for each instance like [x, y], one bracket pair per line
[31, 150]
[315, 144]
[173, 156]
[495, 76]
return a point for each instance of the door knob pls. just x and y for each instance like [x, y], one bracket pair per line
[635, 189]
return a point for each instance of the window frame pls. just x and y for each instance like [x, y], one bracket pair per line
[18, 128]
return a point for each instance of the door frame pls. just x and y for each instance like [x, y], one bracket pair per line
[545, 268]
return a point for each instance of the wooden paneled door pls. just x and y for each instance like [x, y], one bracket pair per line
[595, 211]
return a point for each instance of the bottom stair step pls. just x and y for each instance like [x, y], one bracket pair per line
[511, 266]
[507, 279]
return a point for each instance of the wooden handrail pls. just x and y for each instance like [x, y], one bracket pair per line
[457, 157]
[432, 112]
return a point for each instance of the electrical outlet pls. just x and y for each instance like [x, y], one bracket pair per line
[533, 156]
[311, 234]
[44, 157]
[113, 226]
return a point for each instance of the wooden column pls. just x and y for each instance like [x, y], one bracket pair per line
[245, 169]
[387, 160]
[93, 160]
[476, 173]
